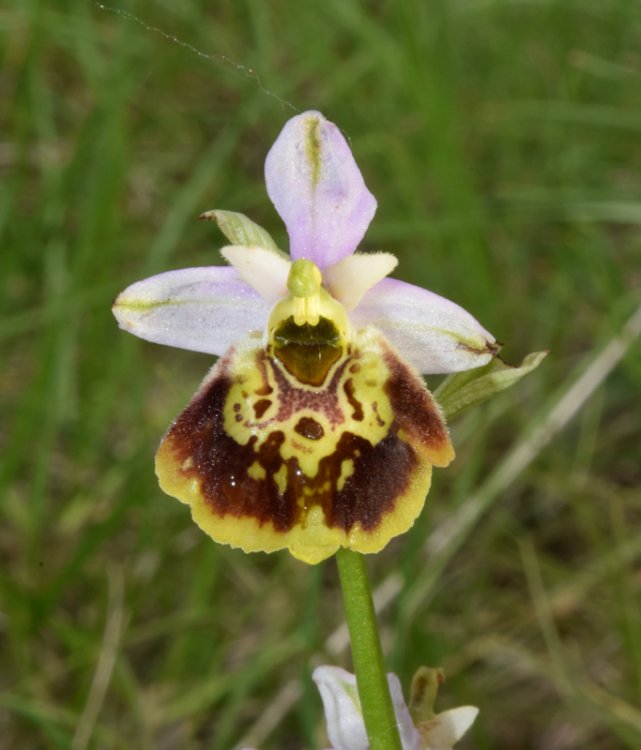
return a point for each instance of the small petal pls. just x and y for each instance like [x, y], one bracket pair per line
[350, 278]
[446, 729]
[202, 309]
[433, 333]
[264, 270]
[240, 230]
[318, 190]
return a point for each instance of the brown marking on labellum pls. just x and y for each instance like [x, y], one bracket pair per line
[356, 405]
[221, 465]
[300, 447]
[260, 407]
[309, 428]
[283, 495]
[265, 389]
[414, 408]
[381, 475]
[292, 398]
[379, 419]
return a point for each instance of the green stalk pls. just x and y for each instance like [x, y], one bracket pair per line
[367, 655]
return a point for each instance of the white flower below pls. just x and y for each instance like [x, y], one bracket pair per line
[346, 727]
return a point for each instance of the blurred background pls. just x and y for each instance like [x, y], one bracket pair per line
[502, 140]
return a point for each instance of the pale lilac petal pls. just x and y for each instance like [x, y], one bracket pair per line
[345, 725]
[202, 309]
[446, 729]
[317, 188]
[350, 278]
[410, 738]
[263, 269]
[433, 333]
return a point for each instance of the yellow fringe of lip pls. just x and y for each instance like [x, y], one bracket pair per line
[311, 543]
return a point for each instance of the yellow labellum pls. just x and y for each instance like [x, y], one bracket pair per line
[324, 438]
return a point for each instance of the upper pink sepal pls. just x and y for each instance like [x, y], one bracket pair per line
[318, 190]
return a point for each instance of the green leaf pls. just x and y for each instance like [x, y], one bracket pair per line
[241, 230]
[461, 390]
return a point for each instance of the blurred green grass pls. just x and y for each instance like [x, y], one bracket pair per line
[501, 139]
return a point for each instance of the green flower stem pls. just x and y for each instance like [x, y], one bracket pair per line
[367, 655]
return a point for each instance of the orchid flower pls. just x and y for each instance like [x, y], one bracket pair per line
[314, 430]
[426, 731]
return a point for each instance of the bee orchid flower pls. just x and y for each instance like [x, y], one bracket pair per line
[314, 430]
